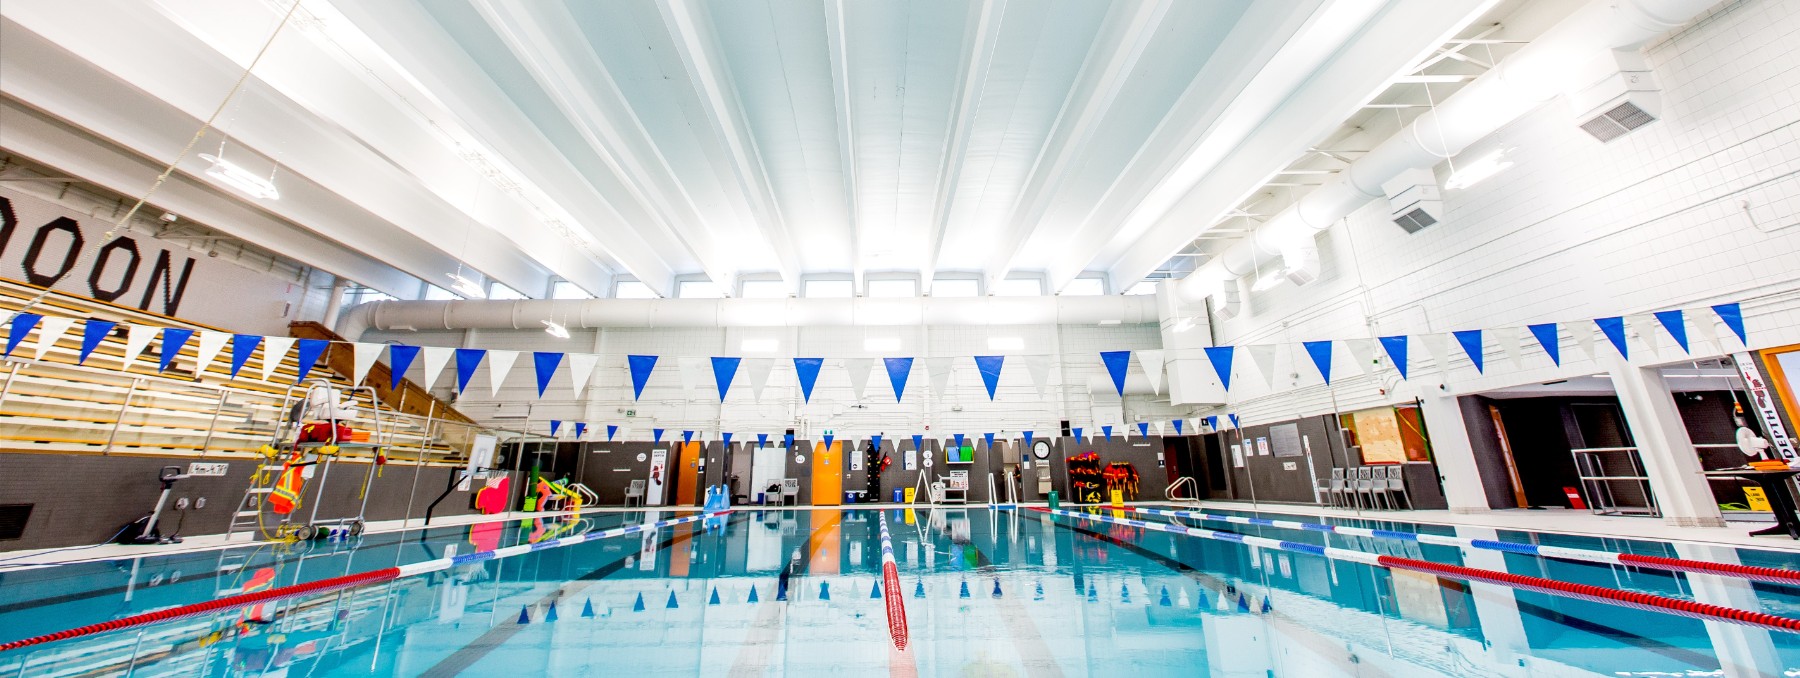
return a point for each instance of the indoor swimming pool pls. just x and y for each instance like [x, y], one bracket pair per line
[800, 592]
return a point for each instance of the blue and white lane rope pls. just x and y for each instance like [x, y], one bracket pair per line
[425, 566]
[1631, 599]
[1765, 574]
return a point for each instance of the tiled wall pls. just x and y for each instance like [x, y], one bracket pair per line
[1574, 230]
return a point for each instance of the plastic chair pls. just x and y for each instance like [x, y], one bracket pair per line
[790, 489]
[1366, 493]
[1396, 485]
[635, 491]
[1337, 491]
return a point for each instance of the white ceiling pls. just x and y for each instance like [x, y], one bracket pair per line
[585, 140]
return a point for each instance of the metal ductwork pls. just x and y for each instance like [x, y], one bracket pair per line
[1548, 66]
[858, 312]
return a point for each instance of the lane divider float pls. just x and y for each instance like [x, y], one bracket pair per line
[890, 588]
[338, 583]
[1632, 599]
[1763, 574]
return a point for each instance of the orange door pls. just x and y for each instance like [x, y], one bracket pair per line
[828, 474]
[687, 476]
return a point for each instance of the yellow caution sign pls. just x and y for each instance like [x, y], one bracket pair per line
[1118, 499]
[911, 493]
[1758, 500]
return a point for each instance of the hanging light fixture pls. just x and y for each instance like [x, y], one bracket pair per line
[1473, 173]
[228, 173]
[466, 286]
[556, 329]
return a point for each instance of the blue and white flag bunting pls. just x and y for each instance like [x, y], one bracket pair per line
[1177, 423]
[1676, 324]
[243, 346]
[898, 369]
[762, 440]
[641, 366]
[546, 363]
[687, 436]
[1549, 338]
[1396, 350]
[989, 366]
[807, 369]
[1144, 429]
[1614, 329]
[21, 325]
[1470, 340]
[1220, 357]
[611, 430]
[92, 333]
[1732, 315]
[1077, 431]
[723, 371]
[1107, 430]
[656, 435]
[173, 338]
[308, 356]
[555, 425]
[1027, 440]
[467, 361]
[918, 442]
[1321, 357]
[1116, 363]
[400, 359]
[580, 429]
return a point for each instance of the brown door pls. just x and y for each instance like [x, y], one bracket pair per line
[828, 474]
[687, 476]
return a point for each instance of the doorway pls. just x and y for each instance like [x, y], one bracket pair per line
[828, 474]
[687, 476]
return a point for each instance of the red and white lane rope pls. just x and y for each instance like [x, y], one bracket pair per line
[1764, 574]
[337, 583]
[890, 588]
[1642, 601]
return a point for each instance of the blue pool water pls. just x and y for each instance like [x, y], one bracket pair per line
[987, 593]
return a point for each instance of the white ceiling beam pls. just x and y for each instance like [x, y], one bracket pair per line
[544, 38]
[1103, 74]
[698, 47]
[978, 51]
[1215, 178]
[841, 99]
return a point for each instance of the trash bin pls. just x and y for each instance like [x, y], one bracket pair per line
[761, 499]
[849, 496]
[897, 495]
[1053, 503]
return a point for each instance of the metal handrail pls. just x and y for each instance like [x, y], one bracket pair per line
[1187, 481]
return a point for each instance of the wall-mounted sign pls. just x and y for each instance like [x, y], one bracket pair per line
[1290, 465]
[659, 472]
[1262, 446]
[207, 470]
[1763, 397]
[642, 456]
[1237, 455]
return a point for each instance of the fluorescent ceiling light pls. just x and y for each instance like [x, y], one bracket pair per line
[241, 179]
[1005, 343]
[881, 344]
[759, 345]
[555, 329]
[466, 287]
[1111, 321]
[1483, 167]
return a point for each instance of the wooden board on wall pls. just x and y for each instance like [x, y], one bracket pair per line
[1378, 431]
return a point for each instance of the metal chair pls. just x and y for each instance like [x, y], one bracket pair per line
[790, 489]
[1367, 494]
[635, 491]
[1338, 491]
[1396, 485]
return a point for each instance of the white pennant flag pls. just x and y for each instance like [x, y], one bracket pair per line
[50, 330]
[759, 370]
[435, 357]
[692, 369]
[1708, 332]
[1159, 428]
[1039, 367]
[581, 369]
[136, 340]
[1362, 352]
[1438, 345]
[274, 350]
[1583, 334]
[938, 372]
[1264, 357]
[499, 364]
[859, 374]
[1509, 342]
[363, 357]
[1153, 369]
[210, 344]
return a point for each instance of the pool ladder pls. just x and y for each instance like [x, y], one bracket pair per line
[1183, 482]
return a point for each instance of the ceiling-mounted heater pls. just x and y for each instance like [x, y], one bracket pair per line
[1617, 94]
[1414, 200]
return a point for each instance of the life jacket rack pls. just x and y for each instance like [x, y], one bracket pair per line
[275, 477]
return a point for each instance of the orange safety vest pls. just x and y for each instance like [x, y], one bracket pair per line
[286, 496]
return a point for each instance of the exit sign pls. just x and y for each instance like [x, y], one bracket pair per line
[828, 432]
[630, 413]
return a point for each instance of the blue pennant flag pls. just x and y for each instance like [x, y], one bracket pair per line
[828, 438]
[640, 372]
[467, 359]
[1177, 424]
[787, 440]
[959, 440]
[611, 430]
[1321, 357]
[762, 440]
[308, 356]
[1614, 329]
[244, 345]
[1547, 338]
[1077, 432]
[808, 371]
[93, 333]
[555, 425]
[400, 359]
[1220, 357]
[1144, 429]
[875, 443]
[919, 442]
[656, 434]
[1027, 440]
[173, 338]
[1234, 420]
[1732, 315]
[23, 323]
[687, 436]
[1471, 346]
[1396, 350]
[726, 439]
[546, 363]
[1107, 429]
[989, 365]
[580, 429]
[1676, 324]
[1212, 422]
[723, 370]
[898, 369]
[1116, 364]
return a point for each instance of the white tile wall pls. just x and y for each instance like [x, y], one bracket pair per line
[1577, 229]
